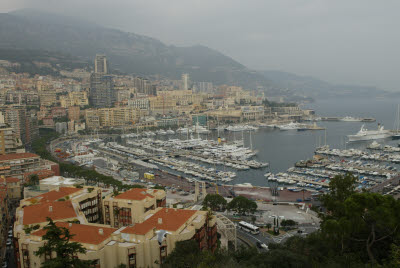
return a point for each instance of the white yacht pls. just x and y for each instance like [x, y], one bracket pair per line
[365, 134]
[170, 132]
[351, 119]
[374, 146]
[290, 126]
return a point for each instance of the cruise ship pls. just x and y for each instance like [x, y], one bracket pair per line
[365, 134]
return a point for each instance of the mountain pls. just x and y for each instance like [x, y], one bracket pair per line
[31, 35]
[309, 86]
[127, 52]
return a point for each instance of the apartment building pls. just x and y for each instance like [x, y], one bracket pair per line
[15, 165]
[13, 187]
[111, 117]
[8, 140]
[48, 97]
[131, 206]
[74, 98]
[145, 243]
[162, 105]
[74, 113]
[23, 123]
[5, 221]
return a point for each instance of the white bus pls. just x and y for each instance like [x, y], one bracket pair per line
[249, 227]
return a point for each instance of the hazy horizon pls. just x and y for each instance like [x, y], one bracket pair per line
[344, 42]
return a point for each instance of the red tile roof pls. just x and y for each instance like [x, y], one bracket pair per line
[42, 173]
[87, 234]
[54, 195]
[172, 220]
[134, 194]
[9, 180]
[17, 156]
[39, 213]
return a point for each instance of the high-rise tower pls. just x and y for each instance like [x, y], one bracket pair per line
[100, 64]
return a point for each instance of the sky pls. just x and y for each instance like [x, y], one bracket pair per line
[340, 41]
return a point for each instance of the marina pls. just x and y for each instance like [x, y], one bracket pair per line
[256, 154]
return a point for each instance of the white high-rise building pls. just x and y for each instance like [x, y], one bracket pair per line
[100, 64]
[185, 81]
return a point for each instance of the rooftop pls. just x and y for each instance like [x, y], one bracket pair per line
[134, 194]
[9, 180]
[54, 210]
[171, 220]
[88, 234]
[54, 195]
[17, 156]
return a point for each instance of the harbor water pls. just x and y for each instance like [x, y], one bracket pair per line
[282, 149]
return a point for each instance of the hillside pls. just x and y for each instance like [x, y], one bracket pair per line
[127, 52]
[29, 35]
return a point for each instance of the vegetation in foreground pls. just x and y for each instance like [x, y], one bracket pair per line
[360, 229]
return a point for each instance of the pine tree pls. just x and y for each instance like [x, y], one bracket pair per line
[58, 245]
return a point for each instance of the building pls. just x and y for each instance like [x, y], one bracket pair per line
[61, 127]
[57, 112]
[18, 164]
[131, 206]
[13, 187]
[102, 93]
[139, 103]
[74, 113]
[252, 112]
[23, 123]
[185, 81]
[145, 243]
[112, 117]
[48, 97]
[100, 64]
[74, 98]
[15, 165]
[8, 139]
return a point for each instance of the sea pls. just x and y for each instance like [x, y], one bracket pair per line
[282, 149]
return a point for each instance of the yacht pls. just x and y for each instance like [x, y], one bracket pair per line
[170, 132]
[290, 126]
[351, 119]
[374, 146]
[365, 134]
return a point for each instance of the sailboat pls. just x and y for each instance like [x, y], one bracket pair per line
[396, 135]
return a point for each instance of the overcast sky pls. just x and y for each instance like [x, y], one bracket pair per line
[341, 41]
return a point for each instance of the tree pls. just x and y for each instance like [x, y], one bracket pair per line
[34, 179]
[214, 202]
[242, 205]
[268, 225]
[58, 242]
[365, 224]
[340, 188]
[288, 223]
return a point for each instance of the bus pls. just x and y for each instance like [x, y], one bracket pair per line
[248, 227]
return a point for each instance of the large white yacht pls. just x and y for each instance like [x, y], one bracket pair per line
[365, 134]
[290, 126]
[351, 119]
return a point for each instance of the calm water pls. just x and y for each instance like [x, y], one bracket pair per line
[283, 148]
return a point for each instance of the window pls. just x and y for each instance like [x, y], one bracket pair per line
[132, 260]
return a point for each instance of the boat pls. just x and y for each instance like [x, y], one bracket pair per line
[350, 119]
[374, 146]
[290, 126]
[170, 132]
[396, 134]
[363, 134]
[310, 127]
